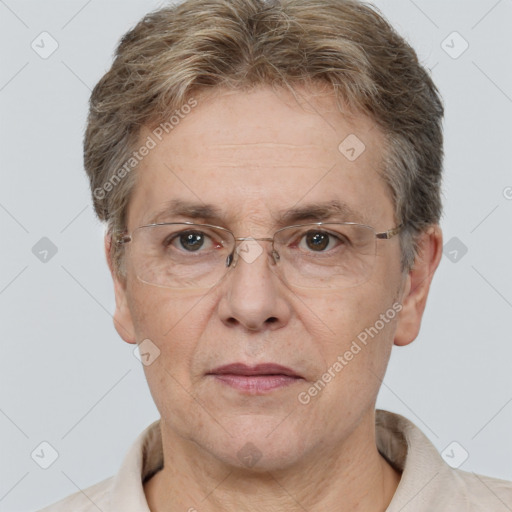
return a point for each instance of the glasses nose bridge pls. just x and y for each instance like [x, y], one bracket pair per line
[247, 238]
[233, 258]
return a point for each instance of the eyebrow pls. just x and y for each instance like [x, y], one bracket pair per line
[335, 211]
[180, 208]
[319, 212]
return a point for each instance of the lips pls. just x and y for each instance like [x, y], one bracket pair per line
[251, 371]
[255, 380]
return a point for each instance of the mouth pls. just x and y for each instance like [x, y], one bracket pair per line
[255, 380]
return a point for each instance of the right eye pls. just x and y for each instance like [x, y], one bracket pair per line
[192, 241]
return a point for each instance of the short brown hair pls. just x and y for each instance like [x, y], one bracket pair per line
[181, 50]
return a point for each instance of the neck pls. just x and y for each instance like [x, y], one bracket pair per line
[353, 477]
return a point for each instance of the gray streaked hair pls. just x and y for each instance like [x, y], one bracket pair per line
[180, 50]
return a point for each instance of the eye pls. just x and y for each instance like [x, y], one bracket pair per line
[320, 241]
[190, 241]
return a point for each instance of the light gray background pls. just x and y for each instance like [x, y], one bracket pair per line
[68, 379]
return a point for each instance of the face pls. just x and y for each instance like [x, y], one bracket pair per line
[251, 157]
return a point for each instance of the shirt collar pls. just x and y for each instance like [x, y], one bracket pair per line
[406, 448]
[144, 459]
[399, 441]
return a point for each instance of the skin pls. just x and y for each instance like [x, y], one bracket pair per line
[252, 155]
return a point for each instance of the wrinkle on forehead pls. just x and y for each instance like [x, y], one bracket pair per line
[265, 147]
[274, 153]
[279, 145]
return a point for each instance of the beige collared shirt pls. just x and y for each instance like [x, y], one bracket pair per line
[428, 484]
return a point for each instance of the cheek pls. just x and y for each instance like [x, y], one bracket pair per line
[172, 320]
[354, 348]
[339, 317]
[354, 328]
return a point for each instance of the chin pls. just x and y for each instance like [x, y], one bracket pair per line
[259, 445]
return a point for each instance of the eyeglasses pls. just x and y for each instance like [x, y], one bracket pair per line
[319, 255]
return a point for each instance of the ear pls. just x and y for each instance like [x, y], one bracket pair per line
[417, 285]
[122, 317]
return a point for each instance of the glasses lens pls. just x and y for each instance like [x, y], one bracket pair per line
[325, 256]
[180, 255]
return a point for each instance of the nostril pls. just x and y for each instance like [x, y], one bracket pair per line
[271, 320]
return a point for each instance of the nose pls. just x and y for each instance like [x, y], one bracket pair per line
[253, 296]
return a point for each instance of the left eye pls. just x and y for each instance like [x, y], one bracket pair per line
[319, 241]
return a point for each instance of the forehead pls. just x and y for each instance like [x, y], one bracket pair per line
[256, 154]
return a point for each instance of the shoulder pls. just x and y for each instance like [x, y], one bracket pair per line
[428, 482]
[93, 498]
[480, 493]
[124, 491]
